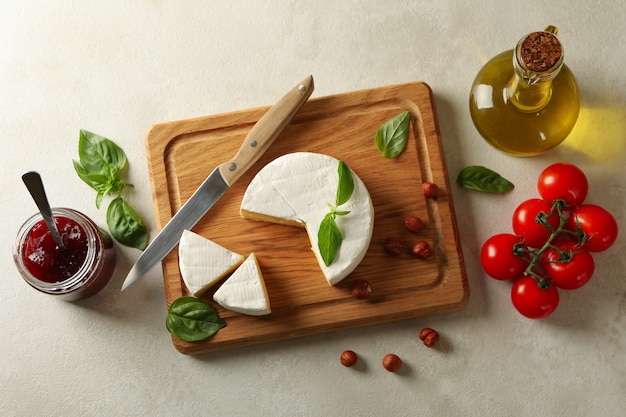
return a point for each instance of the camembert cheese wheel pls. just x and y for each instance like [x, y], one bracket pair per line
[203, 262]
[295, 189]
[244, 291]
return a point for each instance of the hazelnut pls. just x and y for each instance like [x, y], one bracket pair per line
[430, 190]
[348, 358]
[392, 362]
[421, 250]
[393, 246]
[429, 336]
[413, 224]
[361, 289]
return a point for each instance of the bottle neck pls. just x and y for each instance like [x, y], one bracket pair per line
[529, 98]
[536, 63]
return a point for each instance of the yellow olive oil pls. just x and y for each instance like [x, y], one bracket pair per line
[522, 130]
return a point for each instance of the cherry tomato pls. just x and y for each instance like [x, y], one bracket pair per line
[498, 258]
[525, 222]
[563, 181]
[571, 271]
[532, 301]
[597, 223]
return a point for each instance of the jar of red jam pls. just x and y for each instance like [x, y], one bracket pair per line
[80, 270]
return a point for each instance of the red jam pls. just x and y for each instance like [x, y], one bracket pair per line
[82, 269]
[45, 260]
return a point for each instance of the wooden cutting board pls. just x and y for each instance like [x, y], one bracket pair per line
[181, 154]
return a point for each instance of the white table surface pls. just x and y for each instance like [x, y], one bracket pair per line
[118, 67]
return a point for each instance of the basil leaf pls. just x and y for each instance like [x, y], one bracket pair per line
[329, 236]
[113, 178]
[391, 138]
[98, 153]
[125, 224]
[479, 178]
[93, 180]
[106, 183]
[346, 184]
[329, 239]
[191, 319]
[99, 198]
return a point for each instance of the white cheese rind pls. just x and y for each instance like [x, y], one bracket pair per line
[203, 262]
[244, 291]
[298, 187]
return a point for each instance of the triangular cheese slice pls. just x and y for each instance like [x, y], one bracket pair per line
[203, 263]
[244, 292]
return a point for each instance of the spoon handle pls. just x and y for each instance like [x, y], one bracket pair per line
[34, 184]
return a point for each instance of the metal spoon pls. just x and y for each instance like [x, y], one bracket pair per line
[34, 184]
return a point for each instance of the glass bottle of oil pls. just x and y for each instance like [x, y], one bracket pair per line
[526, 101]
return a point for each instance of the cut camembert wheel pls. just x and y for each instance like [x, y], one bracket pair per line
[244, 291]
[203, 262]
[295, 189]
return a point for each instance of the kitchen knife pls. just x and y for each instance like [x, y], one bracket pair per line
[258, 140]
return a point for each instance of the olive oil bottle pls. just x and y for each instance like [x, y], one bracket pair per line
[525, 101]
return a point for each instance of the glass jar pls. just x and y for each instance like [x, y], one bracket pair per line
[525, 101]
[79, 271]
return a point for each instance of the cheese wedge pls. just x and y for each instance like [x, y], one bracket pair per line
[295, 189]
[203, 262]
[244, 291]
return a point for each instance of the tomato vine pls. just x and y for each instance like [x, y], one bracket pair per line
[552, 243]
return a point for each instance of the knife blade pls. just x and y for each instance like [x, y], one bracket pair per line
[258, 140]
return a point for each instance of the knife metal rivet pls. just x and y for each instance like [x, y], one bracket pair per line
[302, 88]
[253, 144]
[233, 166]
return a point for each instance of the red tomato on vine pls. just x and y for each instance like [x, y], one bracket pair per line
[531, 300]
[563, 181]
[598, 224]
[569, 265]
[498, 257]
[526, 222]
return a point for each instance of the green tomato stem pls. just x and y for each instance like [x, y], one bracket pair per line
[535, 256]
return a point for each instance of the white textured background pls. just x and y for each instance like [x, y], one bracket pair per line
[118, 67]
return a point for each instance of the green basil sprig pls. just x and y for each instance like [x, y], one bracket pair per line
[101, 161]
[391, 138]
[191, 319]
[329, 236]
[479, 178]
[101, 164]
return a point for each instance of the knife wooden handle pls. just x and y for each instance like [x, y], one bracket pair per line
[266, 130]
